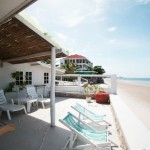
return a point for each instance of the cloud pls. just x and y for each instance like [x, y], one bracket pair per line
[146, 59]
[142, 1]
[112, 29]
[65, 40]
[73, 20]
[61, 36]
[112, 41]
[81, 13]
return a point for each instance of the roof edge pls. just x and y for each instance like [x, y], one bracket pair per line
[25, 19]
[21, 17]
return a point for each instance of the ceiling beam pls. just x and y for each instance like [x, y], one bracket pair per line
[46, 53]
[28, 56]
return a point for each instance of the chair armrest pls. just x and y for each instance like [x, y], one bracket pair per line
[12, 101]
[40, 96]
[29, 96]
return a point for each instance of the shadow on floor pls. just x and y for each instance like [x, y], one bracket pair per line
[32, 134]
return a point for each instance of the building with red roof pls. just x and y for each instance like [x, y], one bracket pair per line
[83, 63]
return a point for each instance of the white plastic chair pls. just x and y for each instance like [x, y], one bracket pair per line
[33, 95]
[5, 106]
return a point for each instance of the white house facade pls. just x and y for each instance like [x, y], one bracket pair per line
[83, 63]
[38, 74]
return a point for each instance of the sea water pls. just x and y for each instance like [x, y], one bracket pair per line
[142, 81]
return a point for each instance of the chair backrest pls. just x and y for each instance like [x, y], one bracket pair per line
[87, 112]
[32, 92]
[2, 97]
[84, 129]
[82, 109]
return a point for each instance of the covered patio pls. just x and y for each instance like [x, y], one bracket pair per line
[34, 133]
[22, 42]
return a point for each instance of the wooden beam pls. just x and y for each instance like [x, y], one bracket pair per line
[46, 53]
[28, 56]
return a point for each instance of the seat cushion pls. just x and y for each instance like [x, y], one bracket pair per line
[11, 107]
[43, 100]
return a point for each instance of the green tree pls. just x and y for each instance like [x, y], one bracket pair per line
[47, 61]
[99, 69]
[70, 67]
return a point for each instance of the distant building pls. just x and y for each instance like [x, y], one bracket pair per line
[83, 63]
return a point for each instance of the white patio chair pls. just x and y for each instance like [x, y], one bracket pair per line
[5, 106]
[33, 95]
[90, 137]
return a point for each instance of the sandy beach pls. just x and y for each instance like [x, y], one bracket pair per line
[137, 97]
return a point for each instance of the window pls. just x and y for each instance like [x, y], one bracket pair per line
[19, 79]
[73, 60]
[28, 78]
[77, 60]
[65, 61]
[46, 78]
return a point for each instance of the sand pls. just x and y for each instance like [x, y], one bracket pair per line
[137, 97]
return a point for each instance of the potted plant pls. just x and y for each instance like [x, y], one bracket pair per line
[88, 90]
[101, 96]
[11, 91]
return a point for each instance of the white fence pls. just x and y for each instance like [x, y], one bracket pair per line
[79, 81]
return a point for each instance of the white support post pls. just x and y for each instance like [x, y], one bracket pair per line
[1, 63]
[79, 83]
[113, 84]
[52, 96]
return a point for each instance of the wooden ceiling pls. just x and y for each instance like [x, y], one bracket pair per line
[20, 44]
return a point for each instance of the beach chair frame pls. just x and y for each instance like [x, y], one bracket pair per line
[76, 134]
[88, 117]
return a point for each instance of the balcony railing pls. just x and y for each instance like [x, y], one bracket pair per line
[78, 81]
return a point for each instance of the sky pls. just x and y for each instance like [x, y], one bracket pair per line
[114, 34]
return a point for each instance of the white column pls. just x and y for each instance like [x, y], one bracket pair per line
[79, 83]
[52, 96]
[113, 84]
[1, 63]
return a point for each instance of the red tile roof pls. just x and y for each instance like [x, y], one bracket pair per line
[75, 56]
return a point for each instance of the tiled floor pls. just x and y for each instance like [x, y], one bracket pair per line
[33, 131]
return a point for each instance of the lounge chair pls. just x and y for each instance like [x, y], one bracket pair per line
[91, 137]
[90, 115]
[33, 95]
[5, 106]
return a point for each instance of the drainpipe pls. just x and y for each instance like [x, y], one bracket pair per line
[52, 96]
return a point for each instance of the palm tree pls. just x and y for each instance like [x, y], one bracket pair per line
[47, 61]
[70, 67]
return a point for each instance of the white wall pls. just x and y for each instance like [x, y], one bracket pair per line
[37, 74]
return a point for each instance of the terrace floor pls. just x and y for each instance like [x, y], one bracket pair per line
[33, 131]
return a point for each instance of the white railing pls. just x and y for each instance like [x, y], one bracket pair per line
[78, 82]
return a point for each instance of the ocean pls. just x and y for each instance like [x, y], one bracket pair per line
[143, 81]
